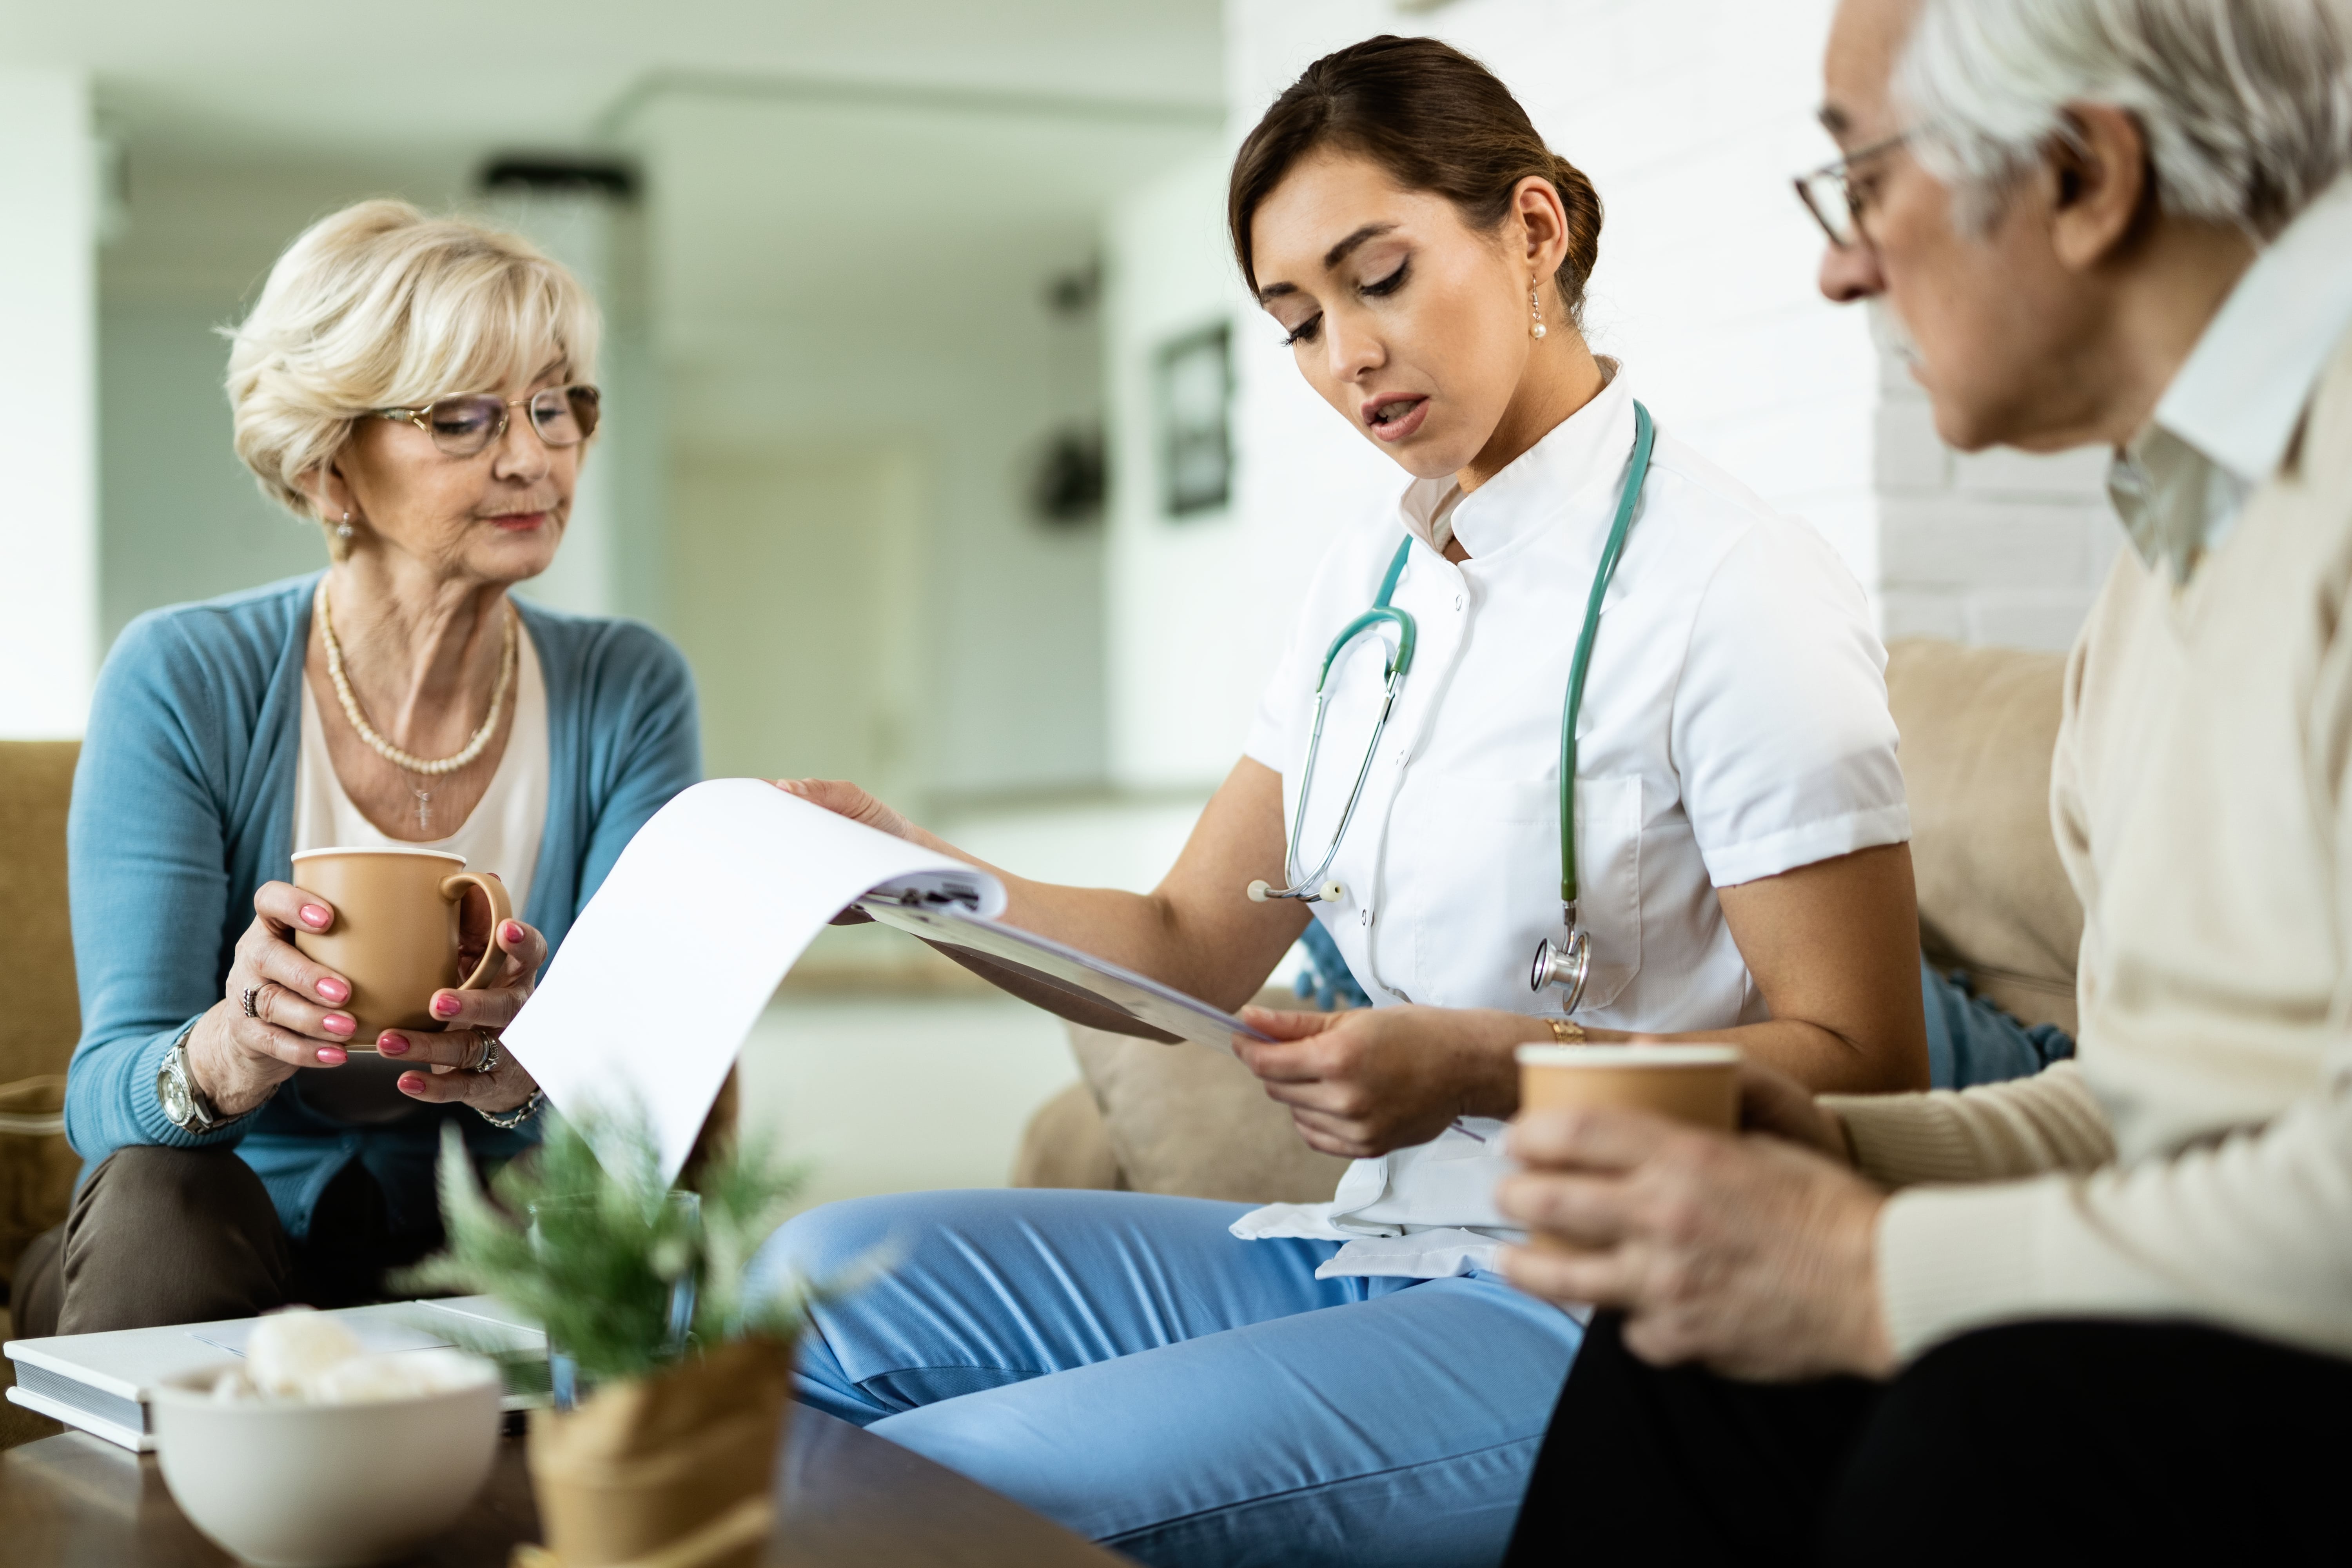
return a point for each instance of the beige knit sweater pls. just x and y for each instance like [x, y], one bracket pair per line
[2195, 1161]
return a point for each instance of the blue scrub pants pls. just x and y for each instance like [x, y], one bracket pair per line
[1970, 1041]
[1118, 1361]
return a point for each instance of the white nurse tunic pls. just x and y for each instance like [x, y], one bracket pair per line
[1735, 725]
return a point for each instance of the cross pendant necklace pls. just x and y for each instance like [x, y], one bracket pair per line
[424, 805]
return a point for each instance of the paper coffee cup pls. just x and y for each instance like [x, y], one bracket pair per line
[1696, 1083]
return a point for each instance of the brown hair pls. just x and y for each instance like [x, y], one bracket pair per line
[1436, 120]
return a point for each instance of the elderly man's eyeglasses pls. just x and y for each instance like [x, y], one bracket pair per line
[468, 427]
[1829, 193]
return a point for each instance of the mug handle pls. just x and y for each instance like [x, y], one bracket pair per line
[452, 888]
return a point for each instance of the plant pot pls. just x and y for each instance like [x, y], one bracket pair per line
[642, 1465]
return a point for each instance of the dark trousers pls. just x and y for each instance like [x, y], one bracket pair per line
[189, 1236]
[2076, 1442]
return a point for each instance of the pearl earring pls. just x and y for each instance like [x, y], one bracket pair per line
[1534, 303]
[343, 529]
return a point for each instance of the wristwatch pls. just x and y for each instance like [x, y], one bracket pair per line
[184, 1102]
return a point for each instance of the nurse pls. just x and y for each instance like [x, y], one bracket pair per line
[1198, 1383]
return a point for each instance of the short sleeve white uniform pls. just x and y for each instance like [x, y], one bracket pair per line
[1735, 726]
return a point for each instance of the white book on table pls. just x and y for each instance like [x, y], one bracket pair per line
[102, 1383]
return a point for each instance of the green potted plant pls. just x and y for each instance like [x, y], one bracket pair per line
[674, 1384]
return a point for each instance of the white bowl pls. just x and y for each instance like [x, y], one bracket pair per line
[323, 1486]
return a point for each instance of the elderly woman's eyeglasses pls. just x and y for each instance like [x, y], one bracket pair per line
[468, 427]
[1829, 194]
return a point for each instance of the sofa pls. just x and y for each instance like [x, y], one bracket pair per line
[1977, 726]
[41, 1018]
[42, 1015]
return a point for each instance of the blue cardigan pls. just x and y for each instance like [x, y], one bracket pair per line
[184, 806]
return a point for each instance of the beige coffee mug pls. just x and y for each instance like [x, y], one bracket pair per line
[1695, 1083]
[395, 931]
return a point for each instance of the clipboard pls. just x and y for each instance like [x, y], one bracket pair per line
[1167, 1013]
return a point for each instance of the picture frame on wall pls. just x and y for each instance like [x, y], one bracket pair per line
[1194, 405]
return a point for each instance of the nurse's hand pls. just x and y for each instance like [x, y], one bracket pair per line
[843, 798]
[1362, 1082]
[1751, 1255]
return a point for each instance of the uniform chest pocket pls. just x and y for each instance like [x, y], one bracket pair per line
[1609, 883]
[1480, 876]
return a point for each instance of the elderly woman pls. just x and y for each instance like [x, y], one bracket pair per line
[424, 388]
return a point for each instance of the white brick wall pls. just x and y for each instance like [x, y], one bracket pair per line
[2000, 547]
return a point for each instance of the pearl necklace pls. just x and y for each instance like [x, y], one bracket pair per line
[409, 762]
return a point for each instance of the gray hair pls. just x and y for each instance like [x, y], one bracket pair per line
[379, 306]
[2246, 104]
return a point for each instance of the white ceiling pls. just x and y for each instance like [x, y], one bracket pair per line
[410, 79]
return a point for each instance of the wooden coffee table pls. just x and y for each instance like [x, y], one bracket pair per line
[845, 1497]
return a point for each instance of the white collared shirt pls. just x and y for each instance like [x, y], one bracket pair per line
[1735, 726]
[2224, 423]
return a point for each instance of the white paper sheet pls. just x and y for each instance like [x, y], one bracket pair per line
[665, 971]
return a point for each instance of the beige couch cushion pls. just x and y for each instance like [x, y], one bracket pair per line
[1180, 1118]
[1066, 1145]
[42, 1016]
[1978, 725]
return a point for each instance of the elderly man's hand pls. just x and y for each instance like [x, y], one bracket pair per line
[1750, 1255]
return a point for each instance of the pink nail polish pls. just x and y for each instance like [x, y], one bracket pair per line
[339, 1023]
[314, 917]
[445, 1007]
[412, 1083]
[334, 990]
[331, 1055]
[393, 1045]
[511, 935]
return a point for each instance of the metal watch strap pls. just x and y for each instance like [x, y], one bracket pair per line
[175, 1062]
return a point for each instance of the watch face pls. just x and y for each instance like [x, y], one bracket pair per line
[174, 1096]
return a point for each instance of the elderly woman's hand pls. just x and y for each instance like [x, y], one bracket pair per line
[1751, 1255]
[1370, 1080]
[453, 1057]
[281, 1010]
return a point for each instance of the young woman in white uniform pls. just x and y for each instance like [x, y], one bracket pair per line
[1196, 1382]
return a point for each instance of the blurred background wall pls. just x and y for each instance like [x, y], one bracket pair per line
[942, 437]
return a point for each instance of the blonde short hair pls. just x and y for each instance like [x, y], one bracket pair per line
[380, 306]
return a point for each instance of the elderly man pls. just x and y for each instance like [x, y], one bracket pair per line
[2106, 1311]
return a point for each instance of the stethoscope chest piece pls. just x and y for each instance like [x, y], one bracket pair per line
[1565, 963]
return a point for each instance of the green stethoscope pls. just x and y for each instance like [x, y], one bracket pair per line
[1567, 964]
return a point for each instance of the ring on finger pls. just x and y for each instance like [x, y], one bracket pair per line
[251, 997]
[490, 1059]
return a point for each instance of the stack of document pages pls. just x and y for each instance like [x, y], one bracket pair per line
[645, 1006]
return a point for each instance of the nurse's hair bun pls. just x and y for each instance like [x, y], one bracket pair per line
[1436, 121]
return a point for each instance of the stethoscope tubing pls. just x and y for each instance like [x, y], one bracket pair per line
[1572, 707]
[1315, 889]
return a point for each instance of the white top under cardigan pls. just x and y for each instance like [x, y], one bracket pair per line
[1735, 726]
[501, 833]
